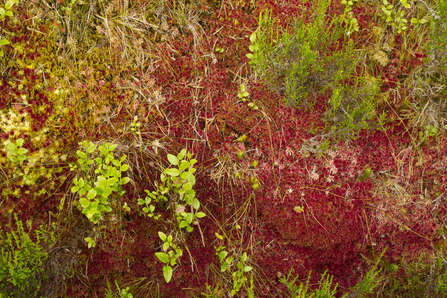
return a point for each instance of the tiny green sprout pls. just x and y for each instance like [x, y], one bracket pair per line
[254, 164]
[219, 49]
[240, 154]
[298, 209]
[367, 172]
[254, 183]
[126, 208]
[135, 126]
[243, 93]
[242, 138]
[90, 241]
[405, 3]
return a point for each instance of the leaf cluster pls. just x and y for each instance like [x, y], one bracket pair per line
[108, 174]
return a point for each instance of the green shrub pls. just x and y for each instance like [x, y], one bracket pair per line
[307, 59]
[21, 262]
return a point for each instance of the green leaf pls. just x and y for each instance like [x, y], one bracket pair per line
[2, 11]
[112, 181]
[222, 255]
[162, 256]
[189, 218]
[181, 154]
[124, 168]
[91, 194]
[192, 179]
[102, 182]
[9, 4]
[244, 257]
[200, 214]
[172, 172]
[183, 224]
[173, 159]
[107, 191]
[162, 236]
[184, 165]
[84, 202]
[167, 273]
[124, 180]
[253, 37]
[196, 204]
[74, 189]
[19, 142]
[103, 150]
[248, 268]
[4, 42]
[81, 154]
[224, 266]
[113, 147]
[187, 186]
[185, 175]
[91, 148]
[414, 21]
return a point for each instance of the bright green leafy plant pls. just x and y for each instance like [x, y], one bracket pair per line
[95, 196]
[176, 189]
[243, 95]
[171, 252]
[393, 17]
[350, 19]
[4, 12]
[238, 272]
[16, 154]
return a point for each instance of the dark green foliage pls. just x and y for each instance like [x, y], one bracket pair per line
[311, 58]
[21, 261]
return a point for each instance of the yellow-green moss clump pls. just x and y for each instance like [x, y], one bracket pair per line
[50, 102]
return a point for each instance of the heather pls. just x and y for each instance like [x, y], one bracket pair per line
[235, 148]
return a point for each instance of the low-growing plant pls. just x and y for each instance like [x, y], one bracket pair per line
[121, 293]
[243, 95]
[21, 261]
[95, 195]
[175, 189]
[350, 19]
[394, 16]
[16, 154]
[171, 252]
[296, 62]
